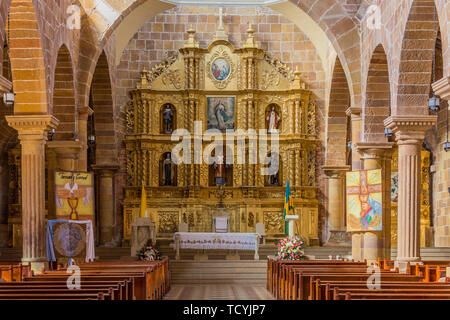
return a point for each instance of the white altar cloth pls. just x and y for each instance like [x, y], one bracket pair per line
[211, 241]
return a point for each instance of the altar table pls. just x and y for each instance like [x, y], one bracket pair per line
[213, 241]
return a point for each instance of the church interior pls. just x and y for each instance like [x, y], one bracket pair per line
[138, 138]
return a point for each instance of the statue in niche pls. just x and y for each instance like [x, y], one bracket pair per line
[168, 170]
[273, 120]
[168, 119]
[274, 170]
[251, 220]
[220, 170]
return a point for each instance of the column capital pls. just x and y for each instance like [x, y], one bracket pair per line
[375, 150]
[67, 149]
[355, 111]
[410, 129]
[442, 88]
[335, 171]
[5, 85]
[32, 127]
[106, 168]
[85, 112]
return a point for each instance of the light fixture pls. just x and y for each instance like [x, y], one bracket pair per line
[8, 98]
[349, 144]
[91, 139]
[387, 132]
[434, 103]
[447, 146]
[50, 134]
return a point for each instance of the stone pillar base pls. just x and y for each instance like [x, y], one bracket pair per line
[339, 239]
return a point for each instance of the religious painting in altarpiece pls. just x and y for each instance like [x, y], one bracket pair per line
[224, 88]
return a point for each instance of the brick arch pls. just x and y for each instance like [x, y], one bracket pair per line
[6, 132]
[330, 15]
[416, 60]
[102, 104]
[378, 97]
[64, 107]
[27, 59]
[336, 148]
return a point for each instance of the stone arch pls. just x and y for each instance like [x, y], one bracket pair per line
[331, 21]
[378, 101]
[64, 106]
[337, 124]
[27, 60]
[102, 103]
[416, 60]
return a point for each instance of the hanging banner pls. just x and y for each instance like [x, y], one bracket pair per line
[74, 195]
[364, 200]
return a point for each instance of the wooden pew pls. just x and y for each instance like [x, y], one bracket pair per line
[387, 294]
[324, 289]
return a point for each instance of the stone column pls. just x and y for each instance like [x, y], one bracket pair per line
[409, 133]
[106, 203]
[5, 86]
[336, 203]
[356, 125]
[377, 244]
[83, 115]
[33, 131]
[66, 153]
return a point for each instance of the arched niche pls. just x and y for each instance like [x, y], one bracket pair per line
[276, 179]
[226, 171]
[168, 118]
[167, 170]
[272, 118]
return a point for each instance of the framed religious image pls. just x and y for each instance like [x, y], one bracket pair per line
[364, 200]
[74, 195]
[221, 113]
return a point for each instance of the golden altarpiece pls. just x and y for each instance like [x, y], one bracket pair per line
[254, 84]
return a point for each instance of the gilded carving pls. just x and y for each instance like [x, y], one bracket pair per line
[281, 67]
[274, 222]
[221, 53]
[173, 78]
[269, 78]
[167, 221]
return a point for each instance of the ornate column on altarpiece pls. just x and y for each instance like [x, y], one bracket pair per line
[33, 131]
[409, 133]
[106, 201]
[336, 204]
[377, 244]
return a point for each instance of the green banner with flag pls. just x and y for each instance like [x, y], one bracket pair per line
[288, 206]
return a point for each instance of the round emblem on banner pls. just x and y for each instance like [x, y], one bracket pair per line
[69, 239]
[220, 69]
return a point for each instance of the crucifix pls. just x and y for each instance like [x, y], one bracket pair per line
[220, 15]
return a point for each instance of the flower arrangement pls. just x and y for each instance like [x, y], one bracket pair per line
[290, 249]
[149, 252]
